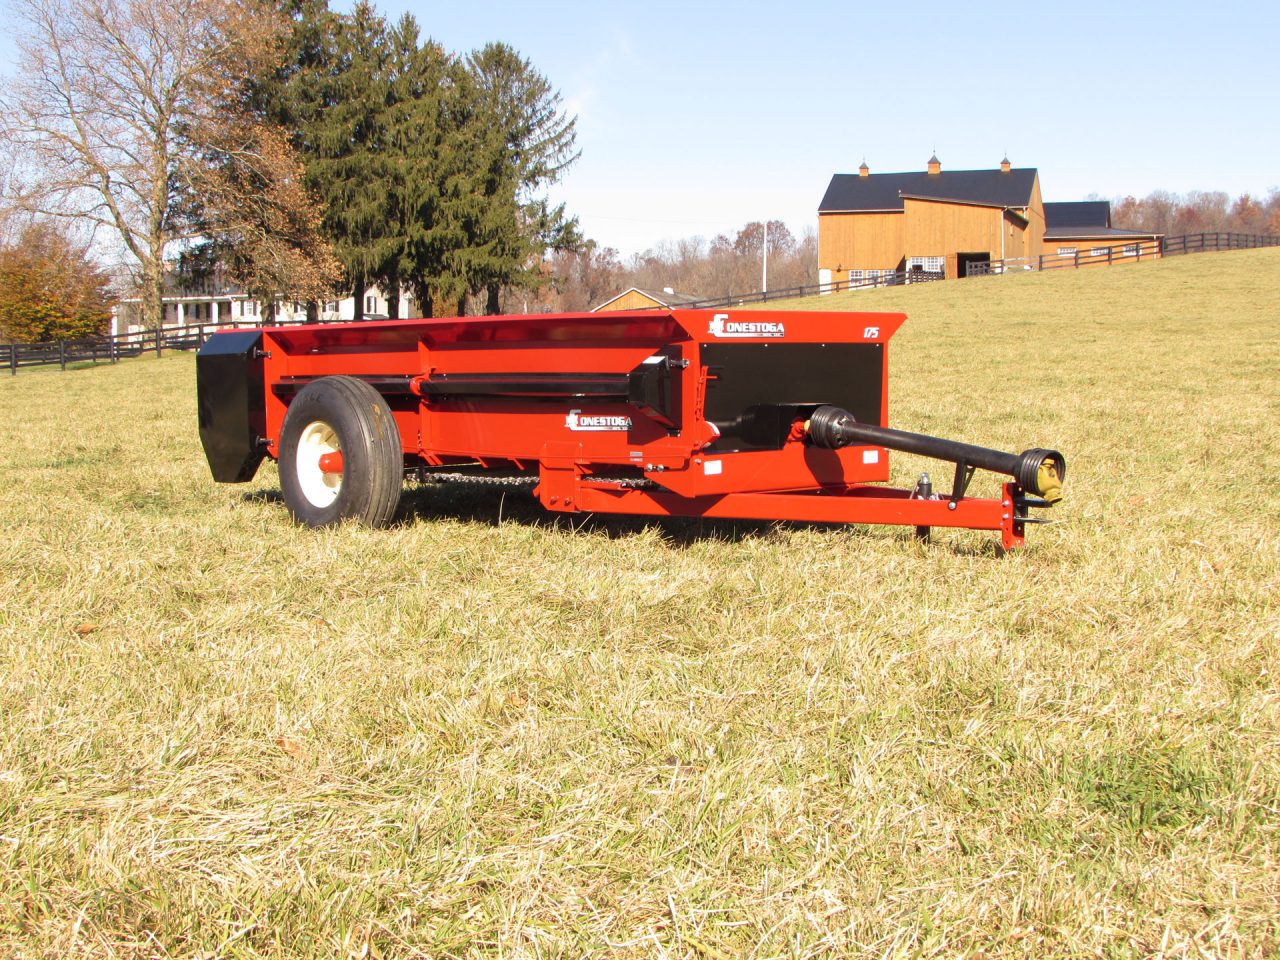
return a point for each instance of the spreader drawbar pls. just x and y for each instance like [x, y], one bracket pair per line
[752, 415]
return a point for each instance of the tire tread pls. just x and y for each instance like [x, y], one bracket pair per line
[376, 432]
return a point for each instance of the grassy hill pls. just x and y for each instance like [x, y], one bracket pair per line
[488, 732]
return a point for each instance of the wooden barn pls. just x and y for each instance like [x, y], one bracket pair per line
[1084, 229]
[637, 299]
[937, 222]
[946, 222]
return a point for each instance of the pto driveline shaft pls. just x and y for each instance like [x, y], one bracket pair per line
[1038, 471]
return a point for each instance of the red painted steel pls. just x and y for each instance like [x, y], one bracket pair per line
[604, 453]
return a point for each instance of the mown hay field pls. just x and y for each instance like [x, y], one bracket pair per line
[489, 732]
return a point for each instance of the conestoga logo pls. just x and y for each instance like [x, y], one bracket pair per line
[590, 423]
[723, 327]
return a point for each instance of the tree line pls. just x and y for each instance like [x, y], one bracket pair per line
[583, 278]
[1199, 211]
[290, 150]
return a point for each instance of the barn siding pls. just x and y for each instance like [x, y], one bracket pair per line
[631, 300]
[859, 241]
[1035, 222]
[943, 229]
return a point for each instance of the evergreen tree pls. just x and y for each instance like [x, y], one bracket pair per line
[351, 165]
[423, 145]
[524, 142]
[331, 92]
[427, 167]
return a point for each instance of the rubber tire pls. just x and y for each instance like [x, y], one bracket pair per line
[372, 458]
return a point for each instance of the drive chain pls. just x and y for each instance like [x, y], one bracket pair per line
[485, 480]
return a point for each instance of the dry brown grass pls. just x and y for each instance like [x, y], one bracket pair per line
[486, 732]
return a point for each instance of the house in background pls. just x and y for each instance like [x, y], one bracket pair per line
[948, 223]
[214, 302]
[637, 299]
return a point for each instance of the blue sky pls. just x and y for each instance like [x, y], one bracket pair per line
[694, 118]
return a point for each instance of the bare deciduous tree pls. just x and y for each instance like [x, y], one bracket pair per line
[99, 115]
[1197, 212]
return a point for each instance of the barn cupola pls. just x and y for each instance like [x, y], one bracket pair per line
[935, 165]
[864, 170]
[1005, 166]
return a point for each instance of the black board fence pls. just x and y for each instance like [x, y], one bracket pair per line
[1096, 254]
[888, 278]
[1210, 242]
[107, 349]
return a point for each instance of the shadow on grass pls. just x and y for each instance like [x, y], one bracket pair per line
[263, 496]
[494, 506]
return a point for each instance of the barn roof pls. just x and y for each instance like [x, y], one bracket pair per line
[668, 298]
[1084, 213]
[849, 192]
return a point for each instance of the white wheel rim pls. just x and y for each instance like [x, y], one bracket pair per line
[320, 488]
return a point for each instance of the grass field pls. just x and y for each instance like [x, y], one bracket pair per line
[488, 732]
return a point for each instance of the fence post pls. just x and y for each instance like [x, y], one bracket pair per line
[13, 359]
[1077, 257]
[157, 341]
[62, 354]
[1110, 250]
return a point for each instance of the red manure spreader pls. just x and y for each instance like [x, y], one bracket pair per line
[684, 413]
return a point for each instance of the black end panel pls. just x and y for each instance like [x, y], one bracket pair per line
[654, 386]
[756, 390]
[232, 404]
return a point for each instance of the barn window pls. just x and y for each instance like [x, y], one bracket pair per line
[1130, 249]
[856, 276]
[1099, 251]
[928, 264]
[1066, 251]
[370, 304]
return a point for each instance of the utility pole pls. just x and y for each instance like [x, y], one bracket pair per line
[764, 266]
